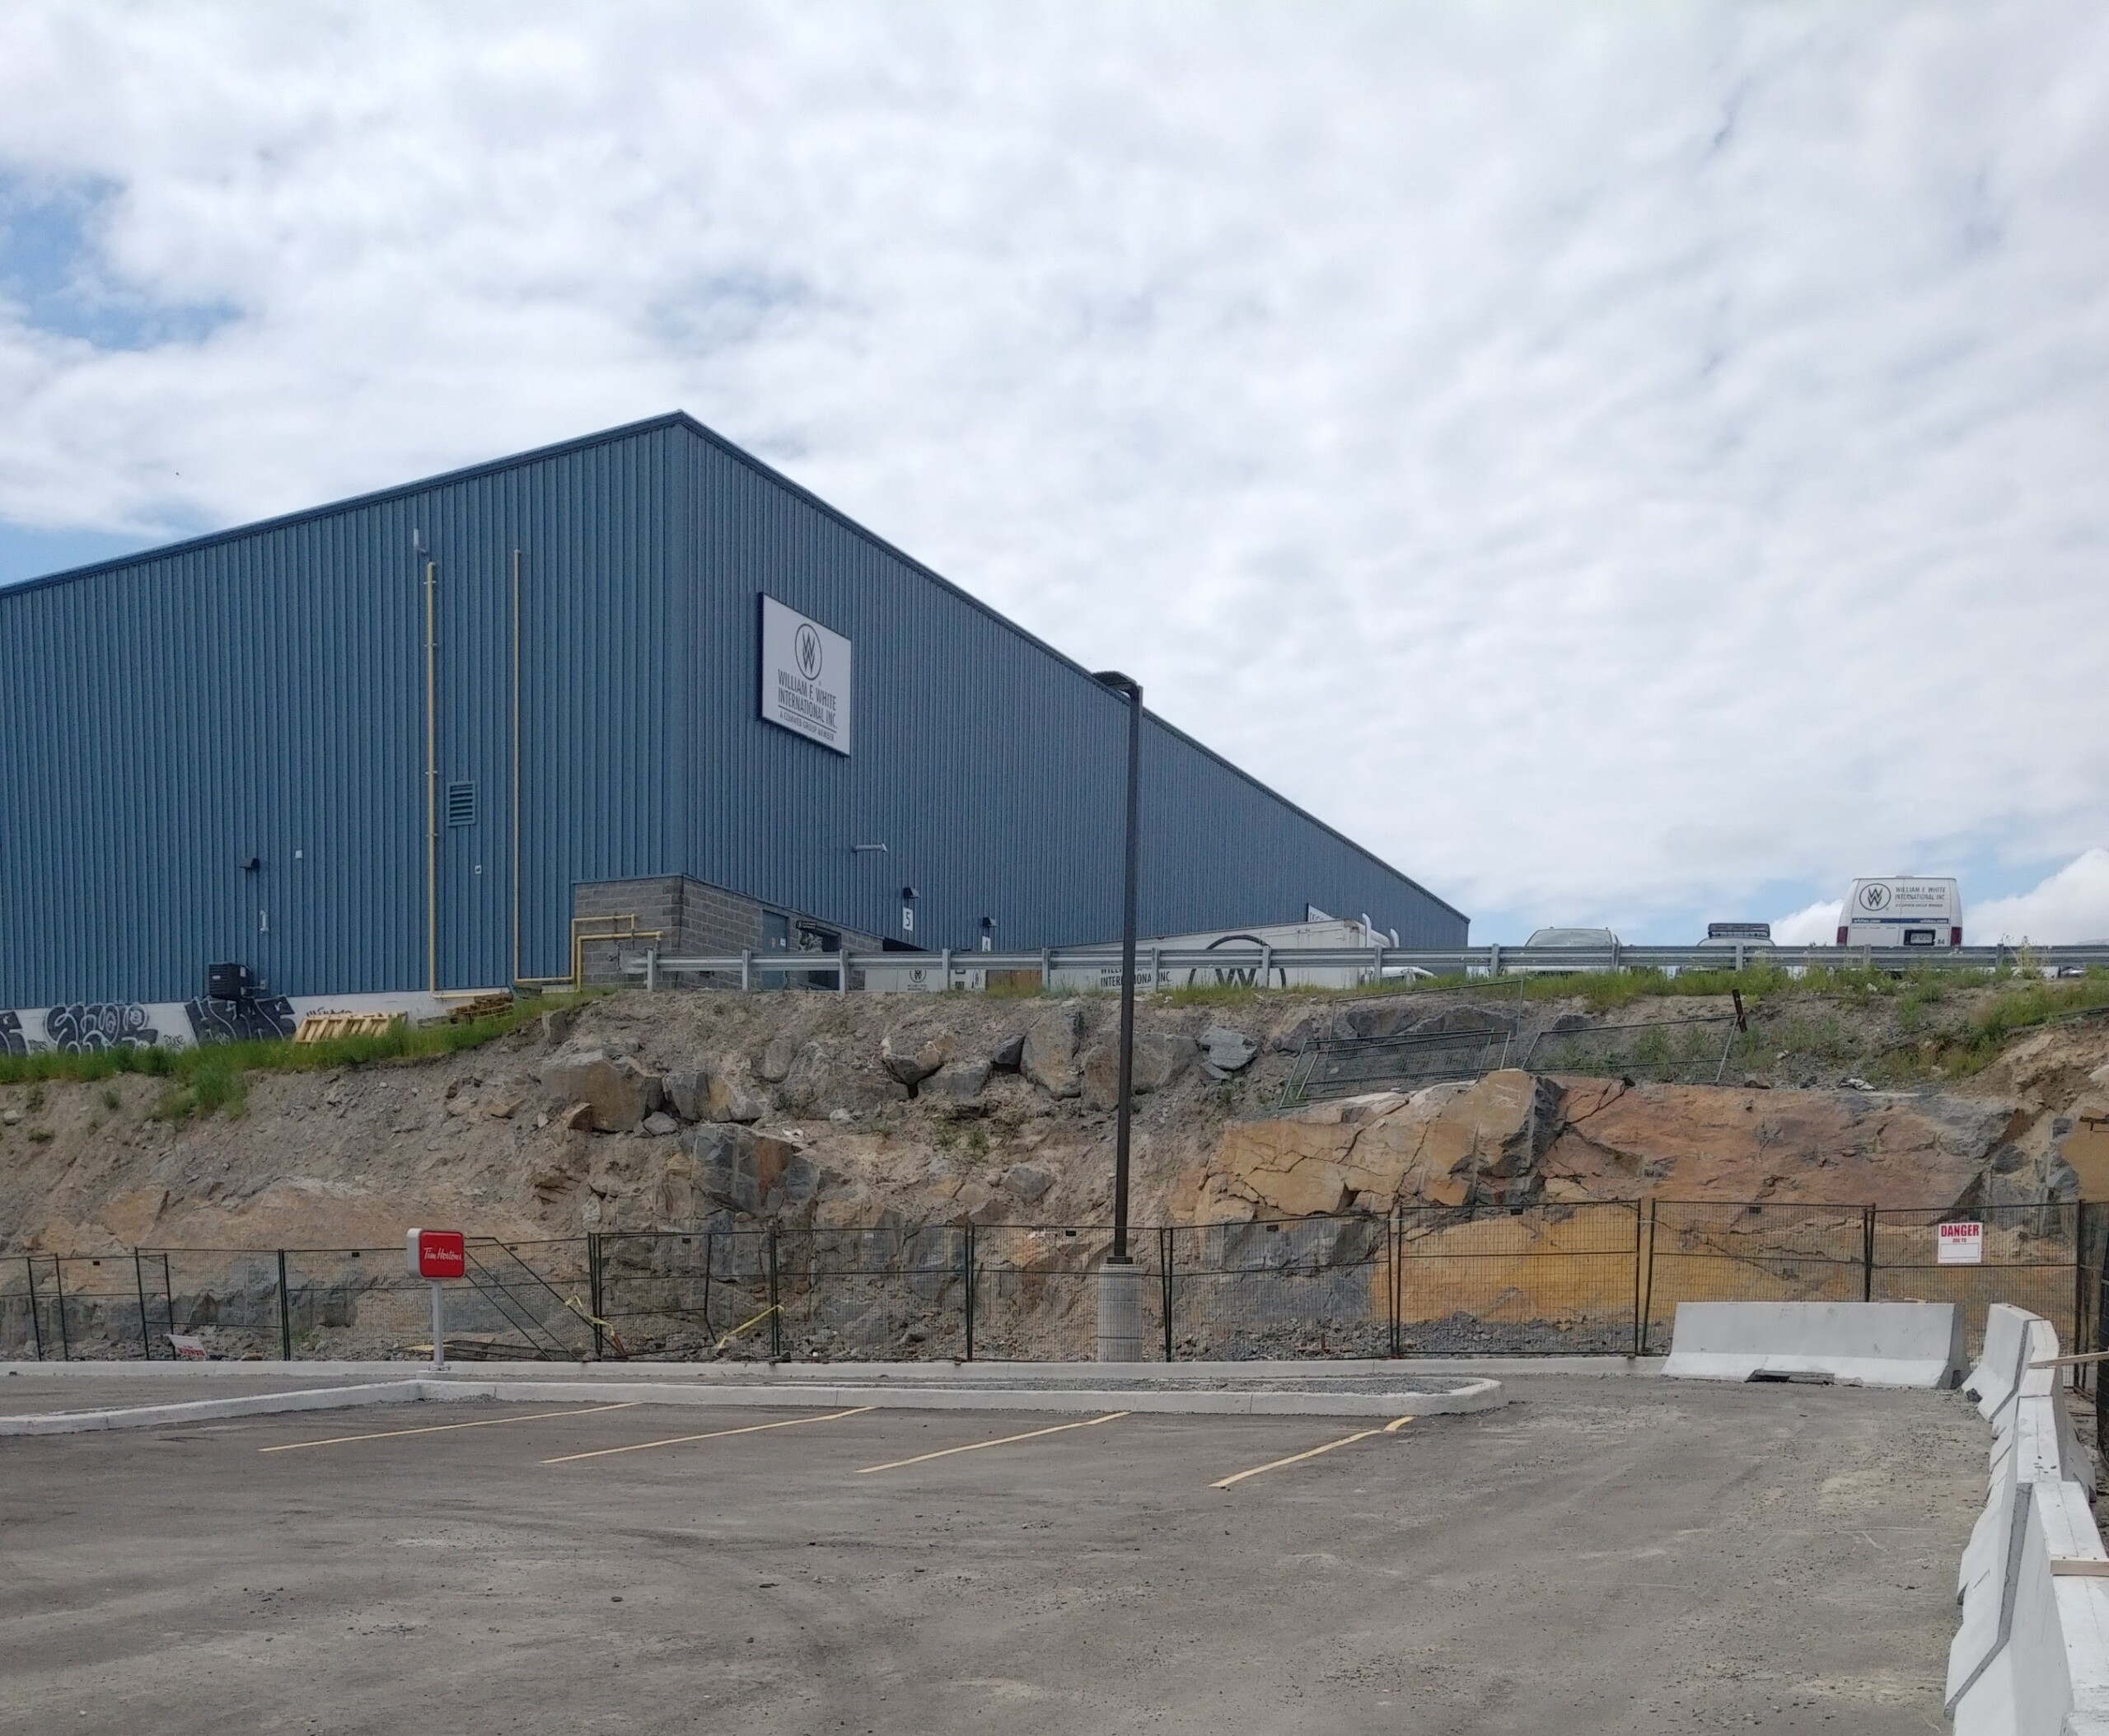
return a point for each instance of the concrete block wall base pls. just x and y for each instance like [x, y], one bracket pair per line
[1871, 1344]
[1121, 1311]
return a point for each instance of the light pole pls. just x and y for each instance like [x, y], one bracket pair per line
[1120, 1282]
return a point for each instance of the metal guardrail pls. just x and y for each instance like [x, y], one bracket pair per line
[1264, 965]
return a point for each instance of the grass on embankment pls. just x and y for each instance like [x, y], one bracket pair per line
[214, 1078]
[1928, 1023]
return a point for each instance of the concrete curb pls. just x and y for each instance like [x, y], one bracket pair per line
[1469, 1396]
[1379, 1367]
[205, 1409]
[1478, 1395]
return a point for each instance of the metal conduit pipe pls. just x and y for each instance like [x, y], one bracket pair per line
[432, 777]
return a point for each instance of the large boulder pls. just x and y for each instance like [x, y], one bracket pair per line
[714, 1093]
[1380, 1018]
[1159, 1060]
[1049, 1054]
[911, 1056]
[961, 1080]
[752, 1173]
[618, 1092]
[829, 1074]
[688, 1092]
[779, 1055]
[1029, 1181]
[1225, 1051]
[731, 1099]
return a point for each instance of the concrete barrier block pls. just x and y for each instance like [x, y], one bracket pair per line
[2024, 1689]
[1876, 1344]
[1989, 1569]
[1998, 1368]
[2070, 1535]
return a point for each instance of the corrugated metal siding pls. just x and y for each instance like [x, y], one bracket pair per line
[263, 692]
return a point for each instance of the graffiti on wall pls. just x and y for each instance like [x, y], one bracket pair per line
[90, 1027]
[12, 1040]
[242, 1021]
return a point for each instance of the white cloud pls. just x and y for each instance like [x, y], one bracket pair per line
[1611, 459]
[2071, 907]
[1815, 926]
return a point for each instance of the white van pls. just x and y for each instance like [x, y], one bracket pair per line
[1901, 912]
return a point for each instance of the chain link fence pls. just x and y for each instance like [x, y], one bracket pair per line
[1548, 1279]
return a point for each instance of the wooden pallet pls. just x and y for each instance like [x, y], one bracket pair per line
[488, 1006]
[323, 1027]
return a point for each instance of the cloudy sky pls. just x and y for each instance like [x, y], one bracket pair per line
[1624, 464]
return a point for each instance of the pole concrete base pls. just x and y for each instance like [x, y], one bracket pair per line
[1121, 1311]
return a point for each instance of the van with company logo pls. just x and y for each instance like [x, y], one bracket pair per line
[1901, 911]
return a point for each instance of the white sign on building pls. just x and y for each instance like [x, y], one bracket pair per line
[1961, 1244]
[805, 676]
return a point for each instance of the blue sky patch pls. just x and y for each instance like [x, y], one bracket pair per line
[52, 269]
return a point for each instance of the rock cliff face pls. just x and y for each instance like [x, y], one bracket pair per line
[664, 1112]
[1512, 1137]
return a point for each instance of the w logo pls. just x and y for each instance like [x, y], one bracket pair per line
[809, 652]
[1874, 897]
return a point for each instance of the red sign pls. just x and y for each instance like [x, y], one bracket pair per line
[439, 1253]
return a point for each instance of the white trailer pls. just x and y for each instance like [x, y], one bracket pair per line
[1328, 931]
[1901, 910]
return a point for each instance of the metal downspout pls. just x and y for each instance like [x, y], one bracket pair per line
[432, 780]
[516, 767]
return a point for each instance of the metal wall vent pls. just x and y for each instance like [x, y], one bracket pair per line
[461, 804]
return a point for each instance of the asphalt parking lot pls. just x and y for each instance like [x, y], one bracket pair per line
[1601, 1556]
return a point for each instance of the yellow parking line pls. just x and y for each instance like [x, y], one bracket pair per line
[715, 1435]
[487, 1422]
[1004, 1440]
[1298, 1458]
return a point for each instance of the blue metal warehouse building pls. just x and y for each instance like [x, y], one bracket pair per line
[400, 743]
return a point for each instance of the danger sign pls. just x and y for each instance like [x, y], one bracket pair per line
[441, 1253]
[1961, 1244]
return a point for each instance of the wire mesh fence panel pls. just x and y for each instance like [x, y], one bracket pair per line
[1689, 1051]
[74, 1308]
[1728, 1252]
[2027, 1255]
[1334, 1067]
[690, 1294]
[1544, 1280]
[1317, 1286]
[96, 1300]
[873, 1294]
[532, 1298]
[22, 1321]
[1036, 1291]
[220, 1302]
[357, 1304]
[2089, 1334]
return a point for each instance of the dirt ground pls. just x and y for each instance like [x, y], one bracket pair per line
[1602, 1554]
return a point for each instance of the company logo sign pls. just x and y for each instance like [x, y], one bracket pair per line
[1874, 897]
[805, 676]
[437, 1253]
